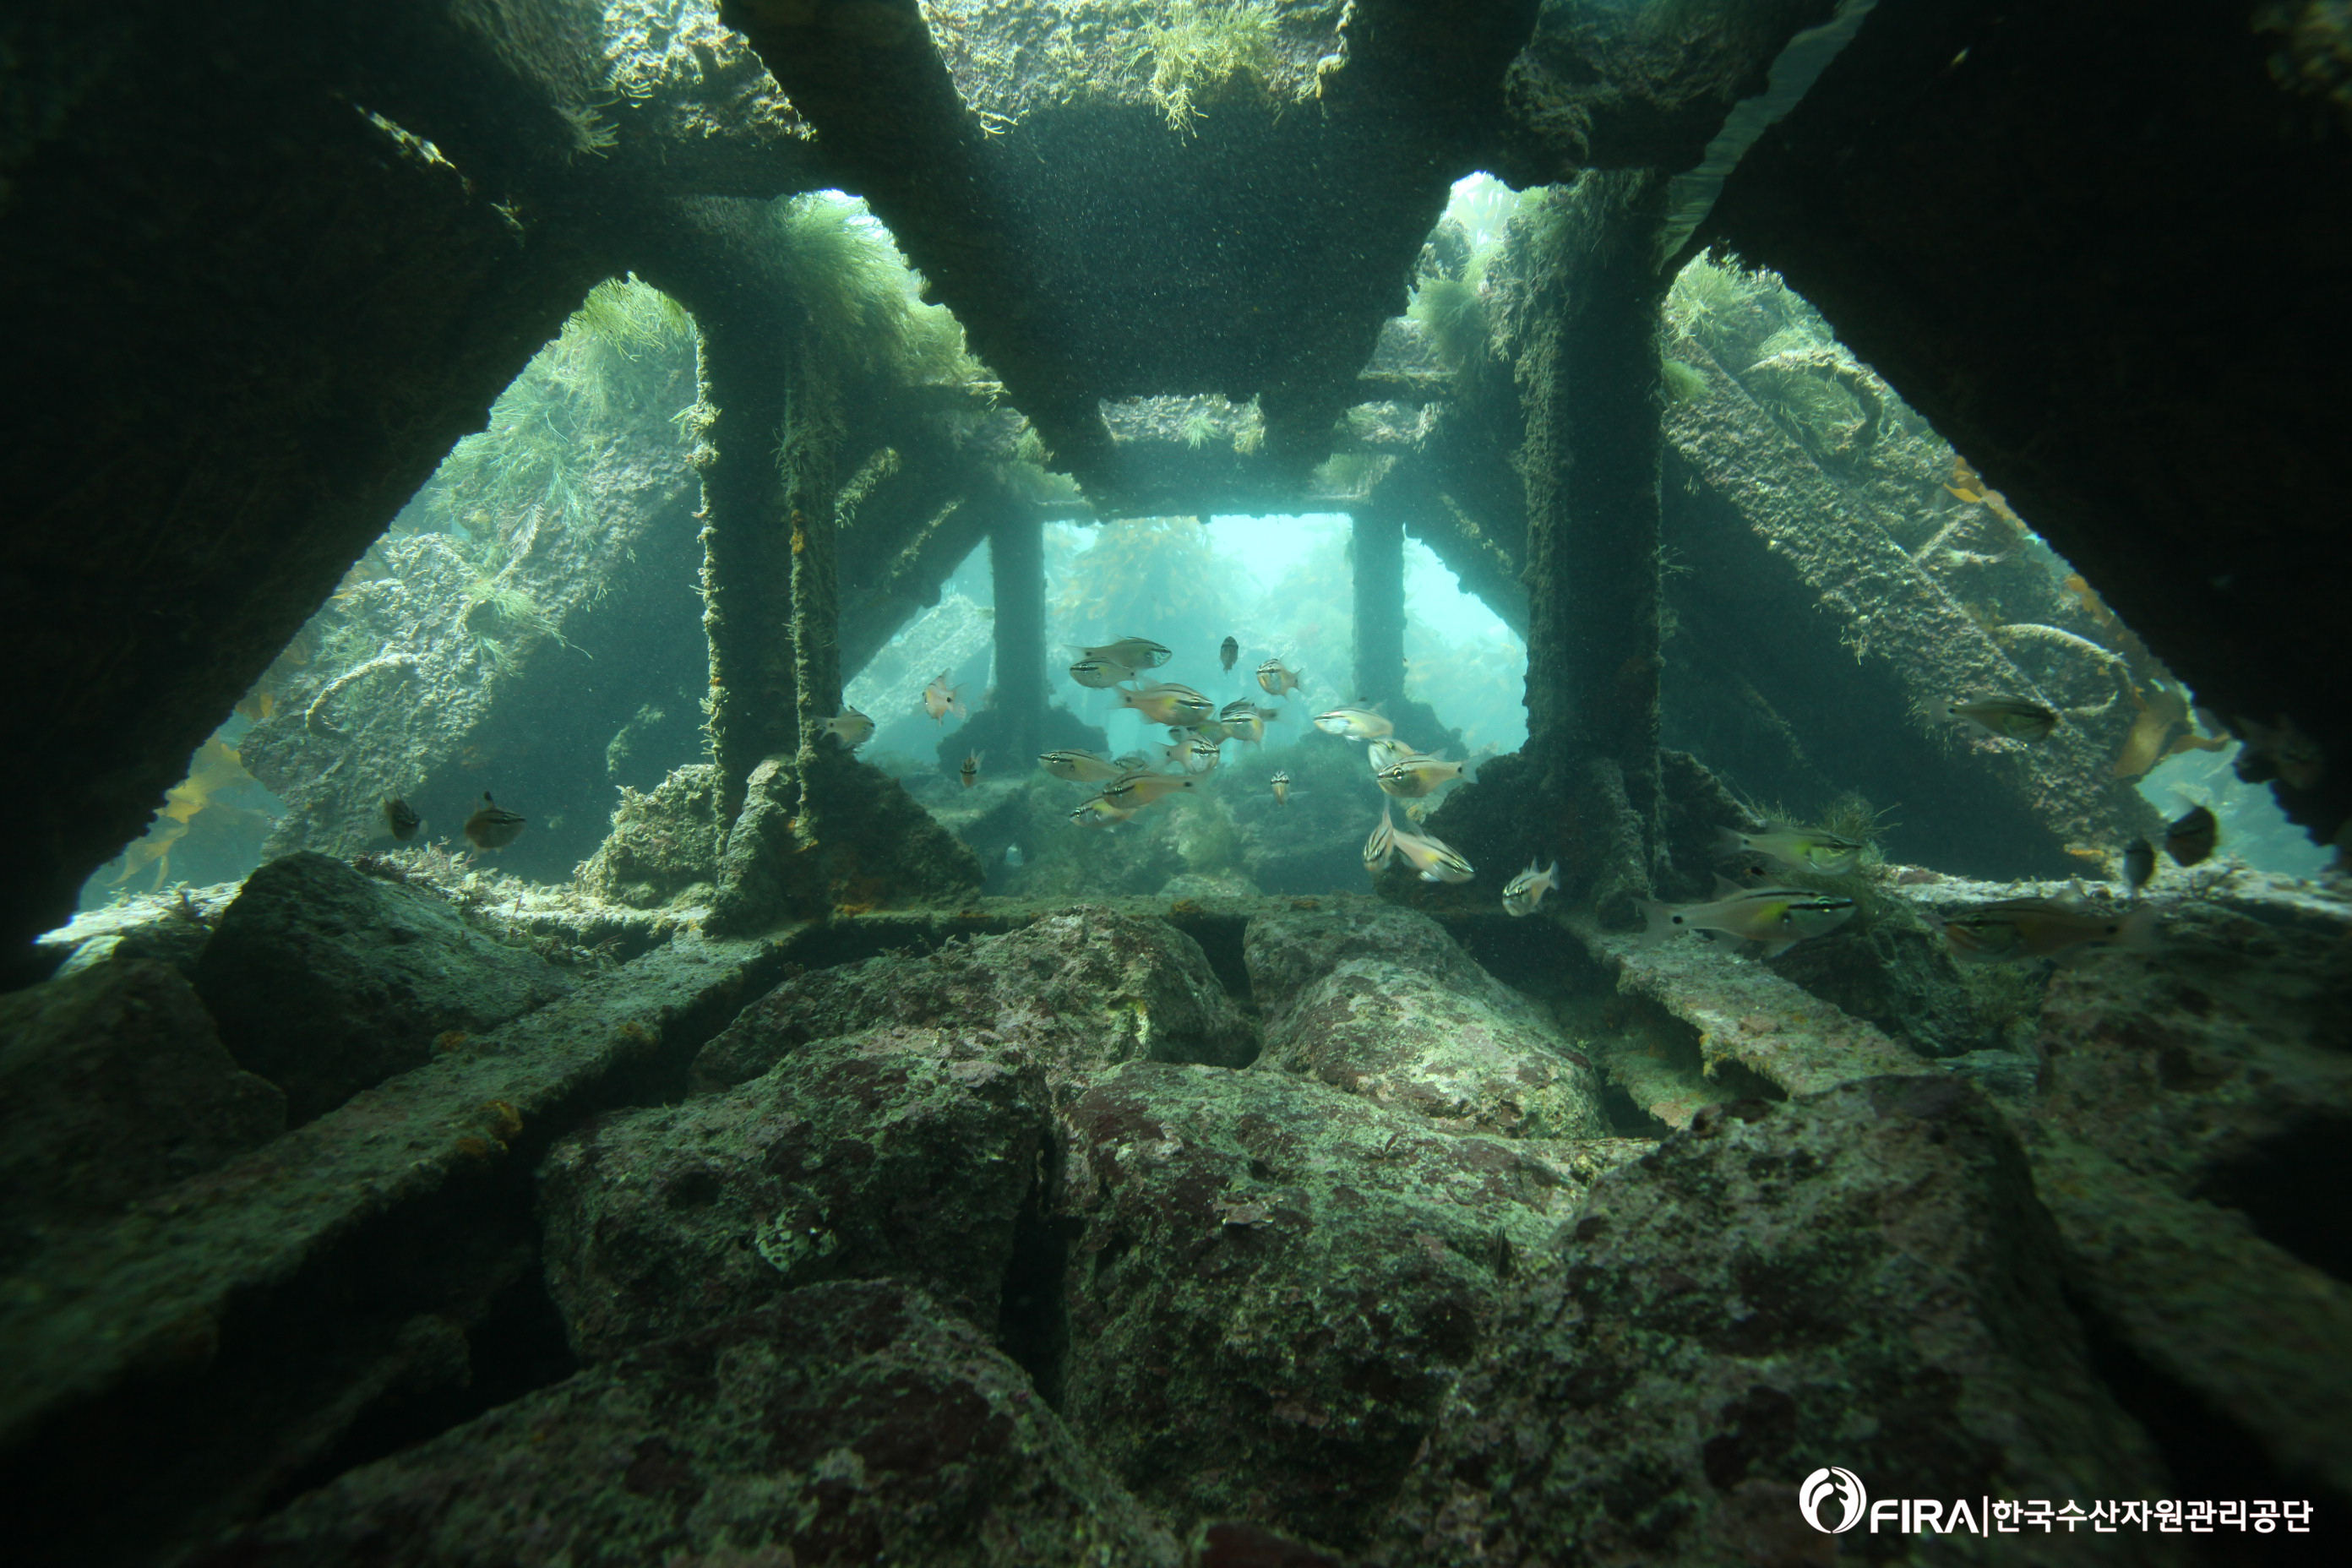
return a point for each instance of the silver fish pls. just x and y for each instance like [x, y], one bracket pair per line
[1227, 652]
[1526, 890]
[1202, 757]
[939, 699]
[850, 727]
[1281, 783]
[970, 771]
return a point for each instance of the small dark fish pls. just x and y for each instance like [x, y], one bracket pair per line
[970, 771]
[2192, 838]
[401, 818]
[2139, 863]
[493, 827]
[1228, 652]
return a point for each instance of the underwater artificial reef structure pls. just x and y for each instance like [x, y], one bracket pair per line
[276, 265]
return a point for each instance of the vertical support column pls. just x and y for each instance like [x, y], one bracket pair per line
[1378, 571]
[1591, 462]
[747, 560]
[812, 444]
[1016, 554]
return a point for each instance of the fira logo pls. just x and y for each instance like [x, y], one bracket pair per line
[1832, 1500]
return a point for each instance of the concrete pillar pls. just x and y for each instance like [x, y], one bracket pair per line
[1378, 571]
[1590, 369]
[811, 462]
[747, 557]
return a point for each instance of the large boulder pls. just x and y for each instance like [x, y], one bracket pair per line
[824, 831]
[2192, 1135]
[898, 1151]
[1076, 992]
[112, 1084]
[1860, 1278]
[847, 1424]
[326, 981]
[664, 847]
[1381, 1001]
[1272, 1285]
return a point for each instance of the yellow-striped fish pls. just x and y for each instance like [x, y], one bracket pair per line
[1355, 724]
[1380, 847]
[1140, 789]
[1526, 890]
[1276, 678]
[1435, 861]
[2041, 928]
[1777, 917]
[1135, 653]
[1080, 767]
[1101, 812]
[1166, 704]
[1798, 849]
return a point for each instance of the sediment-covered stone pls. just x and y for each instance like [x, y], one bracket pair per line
[1078, 992]
[112, 1084]
[838, 832]
[326, 981]
[1272, 1284]
[1383, 1003]
[899, 1152]
[664, 847]
[1861, 1279]
[847, 1424]
[228, 1331]
[2189, 1137]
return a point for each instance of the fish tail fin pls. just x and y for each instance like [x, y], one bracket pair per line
[1729, 841]
[1658, 922]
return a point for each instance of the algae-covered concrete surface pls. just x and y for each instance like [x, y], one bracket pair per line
[1111, 1147]
[225, 1333]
